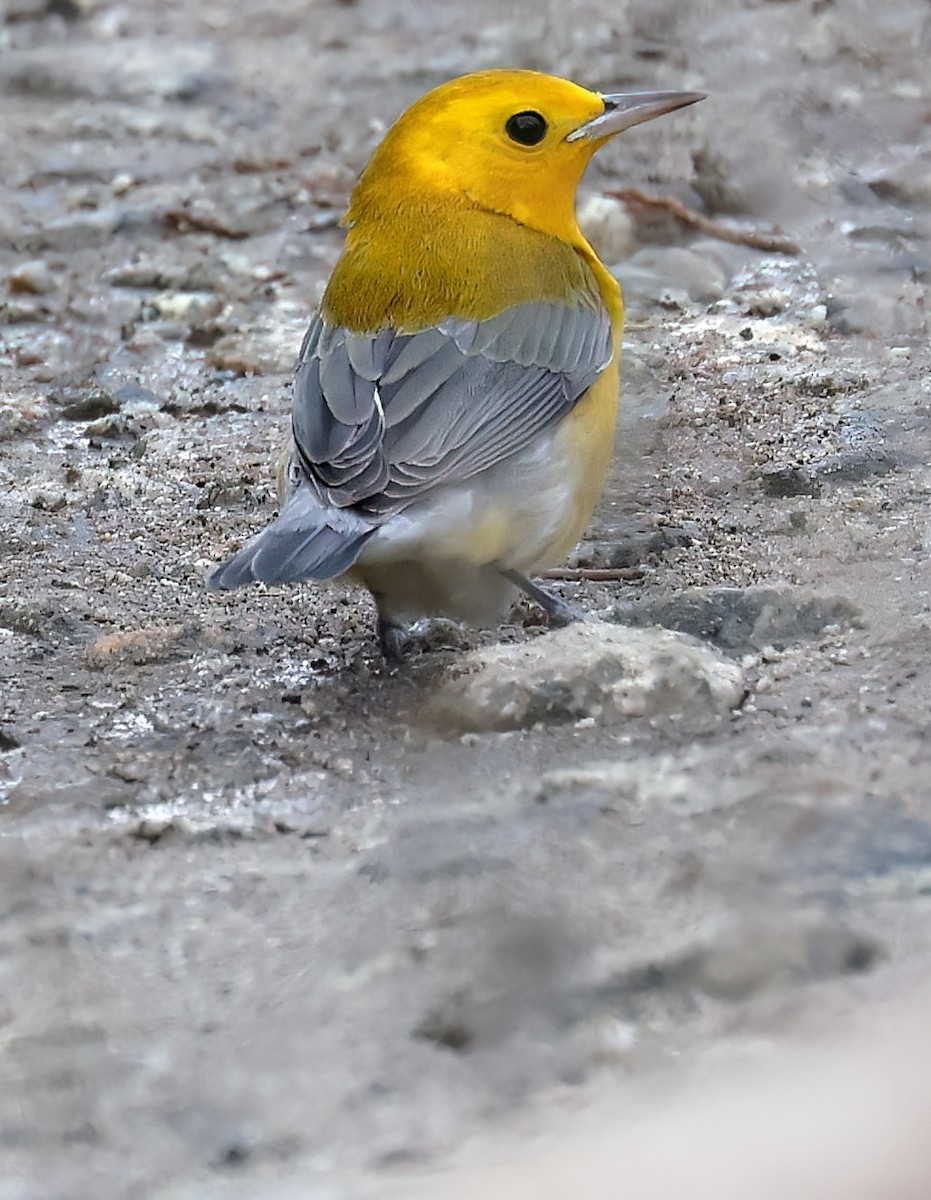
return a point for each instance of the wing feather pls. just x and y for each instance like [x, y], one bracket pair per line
[379, 419]
[368, 355]
[401, 396]
[414, 351]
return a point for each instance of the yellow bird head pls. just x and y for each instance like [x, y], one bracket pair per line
[512, 142]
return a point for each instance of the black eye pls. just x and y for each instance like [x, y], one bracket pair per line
[526, 128]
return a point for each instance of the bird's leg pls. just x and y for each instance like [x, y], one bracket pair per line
[558, 612]
[393, 638]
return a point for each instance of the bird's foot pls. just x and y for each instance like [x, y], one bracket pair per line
[393, 640]
[559, 614]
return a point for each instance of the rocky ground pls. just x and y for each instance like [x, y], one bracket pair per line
[276, 920]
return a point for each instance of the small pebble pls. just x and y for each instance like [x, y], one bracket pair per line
[33, 278]
[608, 227]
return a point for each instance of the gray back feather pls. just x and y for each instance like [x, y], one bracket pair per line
[379, 419]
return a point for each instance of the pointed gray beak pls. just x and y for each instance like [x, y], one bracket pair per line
[624, 109]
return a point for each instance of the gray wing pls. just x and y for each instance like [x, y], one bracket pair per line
[380, 418]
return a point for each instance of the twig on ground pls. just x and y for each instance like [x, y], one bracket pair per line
[599, 574]
[773, 242]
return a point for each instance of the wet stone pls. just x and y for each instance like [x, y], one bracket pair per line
[38, 793]
[853, 466]
[159, 827]
[876, 311]
[908, 183]
[116, 425]
[165, 276]
[8, 741]
[233, 216]
[137, 647]
[190, 307]
[631, 550]
[259, 350]
[740, 620]
[19, 414]
[81, 230]
[101, 398]
[590, 669]
[631, 785]
[608, 227]
[145, 67]
[33, 278]
[830, 381]
[751, 955]
[17, 311]
[90, 407]
[34, 618]
[782, 482]
[658, 274]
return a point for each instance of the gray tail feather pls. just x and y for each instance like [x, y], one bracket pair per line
[308, 540]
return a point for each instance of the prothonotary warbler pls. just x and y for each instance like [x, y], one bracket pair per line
[456, 395]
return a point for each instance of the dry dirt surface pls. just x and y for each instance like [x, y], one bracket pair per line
[279, 922]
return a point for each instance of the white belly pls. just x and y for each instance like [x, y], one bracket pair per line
[509, 515]
[443, 556]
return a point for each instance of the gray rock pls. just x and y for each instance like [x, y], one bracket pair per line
[35, 618]
[190, 307]
[165, 275]
[138, 647]
[660, 273]
[908, 183]
[19, 414]
[631, 785]
[144, 67]
[608, 227]
[588, 670]
[853, 466]
[741, 620]
[632, 548]
[33, 278]
[23, 10]
[14, 11]
[784, 482]
[257, 350]
[20, 312]
[90, 405]
[878, 311]
[101, 395]
[79, 230]
[755, 954]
